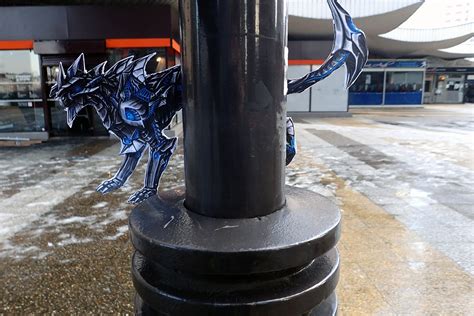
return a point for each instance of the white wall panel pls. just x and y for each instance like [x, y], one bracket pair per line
[330, 94]
[298, 102]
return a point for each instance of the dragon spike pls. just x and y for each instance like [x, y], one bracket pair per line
[119, 66]
[61, 76]
[348, 38]
[59, 82]
[99, 69]
[355, 63]
[78, 65]
[139, 66]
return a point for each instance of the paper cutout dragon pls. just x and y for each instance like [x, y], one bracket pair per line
[136, 106]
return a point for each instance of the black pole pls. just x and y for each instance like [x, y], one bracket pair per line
[234, 76]
[235, 241]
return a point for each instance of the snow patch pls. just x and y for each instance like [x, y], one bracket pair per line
[122, 230]
[100, 205]
[73, 240]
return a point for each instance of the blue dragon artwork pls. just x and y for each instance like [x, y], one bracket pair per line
[136, 106]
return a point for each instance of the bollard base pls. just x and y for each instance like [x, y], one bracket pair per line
[328, 307]
[284, 263]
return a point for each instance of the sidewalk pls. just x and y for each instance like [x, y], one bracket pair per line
[403, 178]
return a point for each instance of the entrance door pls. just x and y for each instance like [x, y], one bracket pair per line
[86, 122]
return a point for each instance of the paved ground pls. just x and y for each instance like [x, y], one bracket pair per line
[403, 178]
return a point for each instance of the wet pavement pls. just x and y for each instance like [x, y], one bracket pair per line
[63, 247]
[403, 178]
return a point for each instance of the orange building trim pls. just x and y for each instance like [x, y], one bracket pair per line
[305, 61]
[142, 42]
[16, 45]
[176, 46]
[137, 42]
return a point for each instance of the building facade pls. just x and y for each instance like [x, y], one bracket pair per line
[34, 38]
[398, 72]
[389, 83]
[43, 36]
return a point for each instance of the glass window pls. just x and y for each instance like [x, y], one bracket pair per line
[411, 81]
[19, 76]
[156, 64]
[368, 89]
[370, 81]
[404, 87]
[20, 92]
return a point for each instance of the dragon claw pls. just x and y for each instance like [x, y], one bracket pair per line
[141, 195]
[109, 186]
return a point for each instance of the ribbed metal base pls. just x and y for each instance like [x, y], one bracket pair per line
[328, 307]
[281, 264]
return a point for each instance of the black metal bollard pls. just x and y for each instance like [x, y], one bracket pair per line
[235, 241]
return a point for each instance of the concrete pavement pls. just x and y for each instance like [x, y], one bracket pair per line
[403, 178]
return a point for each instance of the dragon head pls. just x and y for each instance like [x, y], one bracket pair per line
[74, 87]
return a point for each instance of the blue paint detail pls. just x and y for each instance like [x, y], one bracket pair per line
[143, 94]
[396, 64]
[391, 98]
[291, 147]
[351, 25]
[76, 88]
[153, 109]
[404, 97]
[127, 90]
[365, 98]
[128, 140]
[132, 115]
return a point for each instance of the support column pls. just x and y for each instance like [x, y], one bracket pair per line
[234, 76]
[235, 241]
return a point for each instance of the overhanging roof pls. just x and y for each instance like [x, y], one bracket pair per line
[380, 21]
[374, 17]
[423, 42]
[398, 48]
[173, 3]
[429, 34]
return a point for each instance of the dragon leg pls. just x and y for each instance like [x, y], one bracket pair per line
[159, 156]
[126, 168]
[290, 140]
